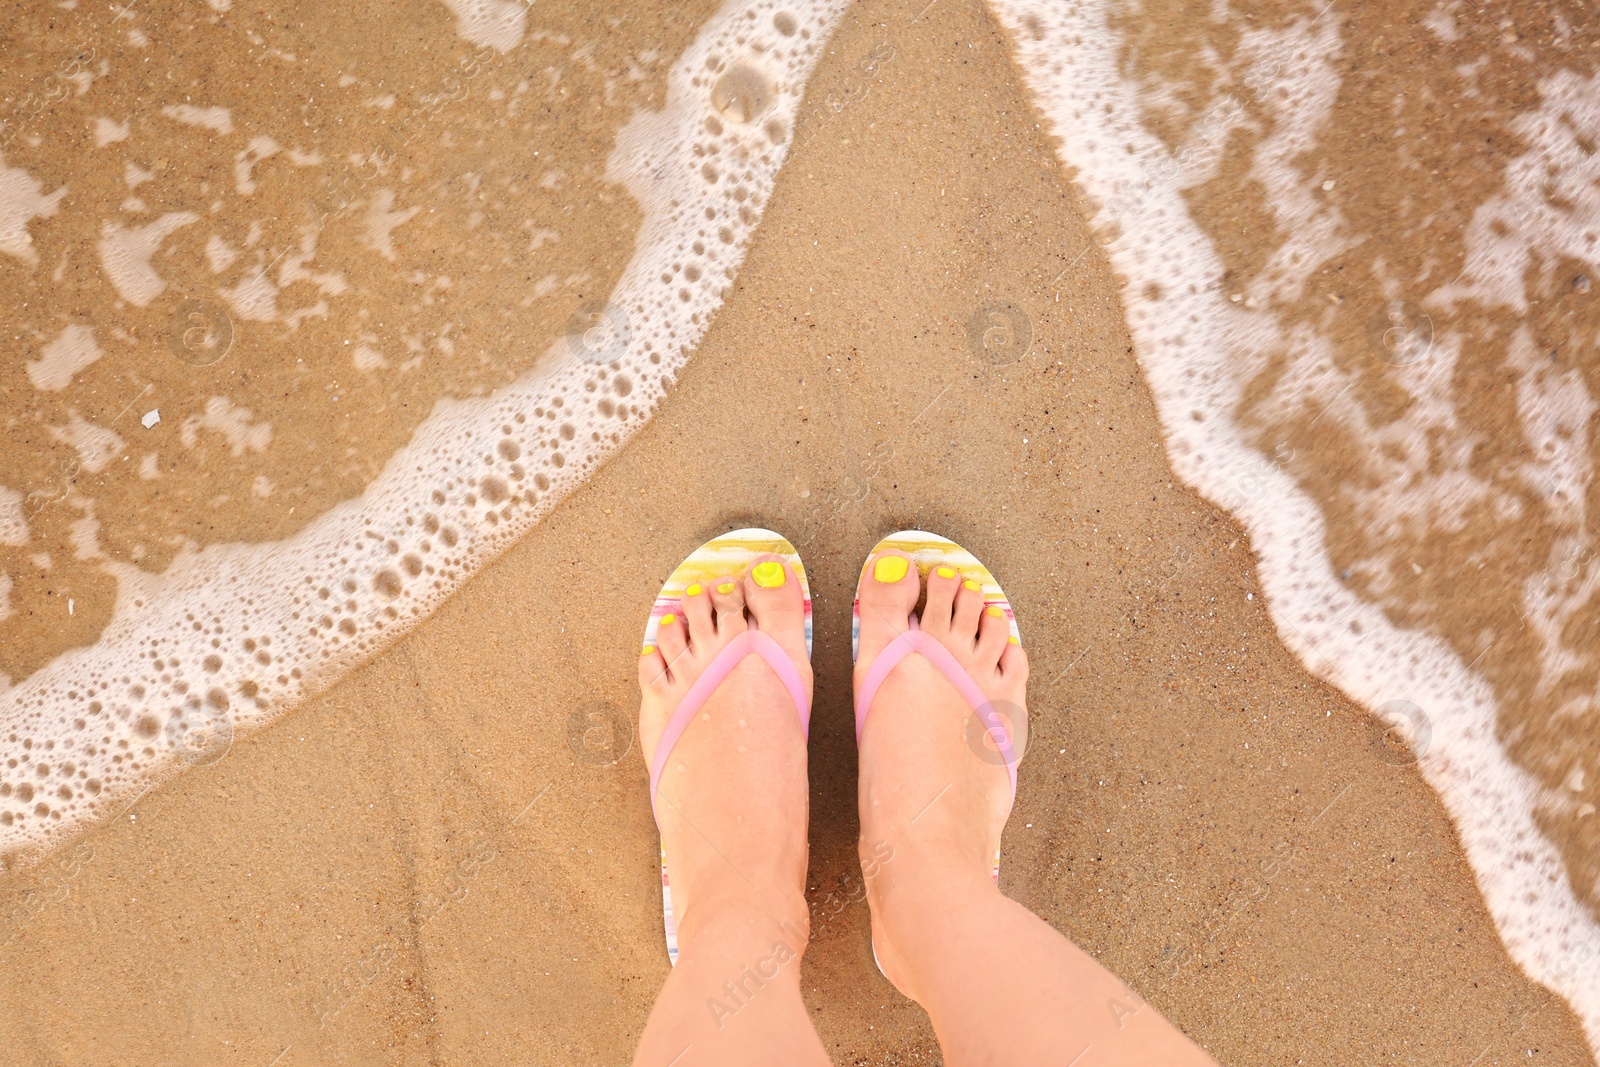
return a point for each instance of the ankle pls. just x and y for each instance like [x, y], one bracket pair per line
[915, 888]
[945, 848]
[918, 901]
[741, 921]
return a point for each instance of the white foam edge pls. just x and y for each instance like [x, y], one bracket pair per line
[485, 469]
[1068, 56]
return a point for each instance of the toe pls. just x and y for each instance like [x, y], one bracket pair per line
[772, 595]
[943, 582]
[652, 669]
[727, 599]
[1014, 662]
[968, 609]
[672, 638]
[993, 630]
[886, 597]
[696, 613]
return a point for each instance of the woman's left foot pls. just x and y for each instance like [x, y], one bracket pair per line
[934, 791]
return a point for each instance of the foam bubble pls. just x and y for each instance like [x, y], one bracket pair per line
[232, 635]
[125, 255]
[218, 120]
[96, 445]
[109, 131]
[23, 199]
[13, 522]
[71, 351]
[499, 24]
[1196, 347]
[235, 423]
[382, 221]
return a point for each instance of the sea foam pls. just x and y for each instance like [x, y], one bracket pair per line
[1197, 348]
[230, 636]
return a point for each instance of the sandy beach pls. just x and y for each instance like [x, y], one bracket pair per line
[448, 858]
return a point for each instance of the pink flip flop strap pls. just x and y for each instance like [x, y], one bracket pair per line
[914, 640]
[751, 642]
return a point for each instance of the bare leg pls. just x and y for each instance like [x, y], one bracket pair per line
[732, 805]
[1001, 986]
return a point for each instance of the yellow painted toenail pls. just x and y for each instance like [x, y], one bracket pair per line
[972, 585]
[889, 569]
[646, 650]
[726, 587]
[768, 575]
[995, 610]
[945, 572]
[1013, 641]
[693, 590]
[668, 620]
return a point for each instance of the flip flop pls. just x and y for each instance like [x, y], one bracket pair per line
[720, 557]
[928, 551]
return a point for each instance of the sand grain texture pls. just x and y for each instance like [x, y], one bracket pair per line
[424, 850]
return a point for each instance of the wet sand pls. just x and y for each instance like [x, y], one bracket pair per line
[396, 219]
[1449, 536]
[435, 861]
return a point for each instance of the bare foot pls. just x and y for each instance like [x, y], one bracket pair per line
[934, 793]
[732, 800]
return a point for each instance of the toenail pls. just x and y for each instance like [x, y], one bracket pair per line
[996, 610]
[1013, 640]
[972, 585]
[726, 587]
[668, 620]
[889, 569]
[646, 650]
[768, 575]
[693, 590]
[705, 716]
[945, 572]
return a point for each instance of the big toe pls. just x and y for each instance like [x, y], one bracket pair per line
[776, 603]
[886, 597]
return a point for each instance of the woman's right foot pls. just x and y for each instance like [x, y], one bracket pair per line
[732, 800]
[732, 805]
[934, 791]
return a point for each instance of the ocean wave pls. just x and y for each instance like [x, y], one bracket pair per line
[1243, 367]
[230, 636]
